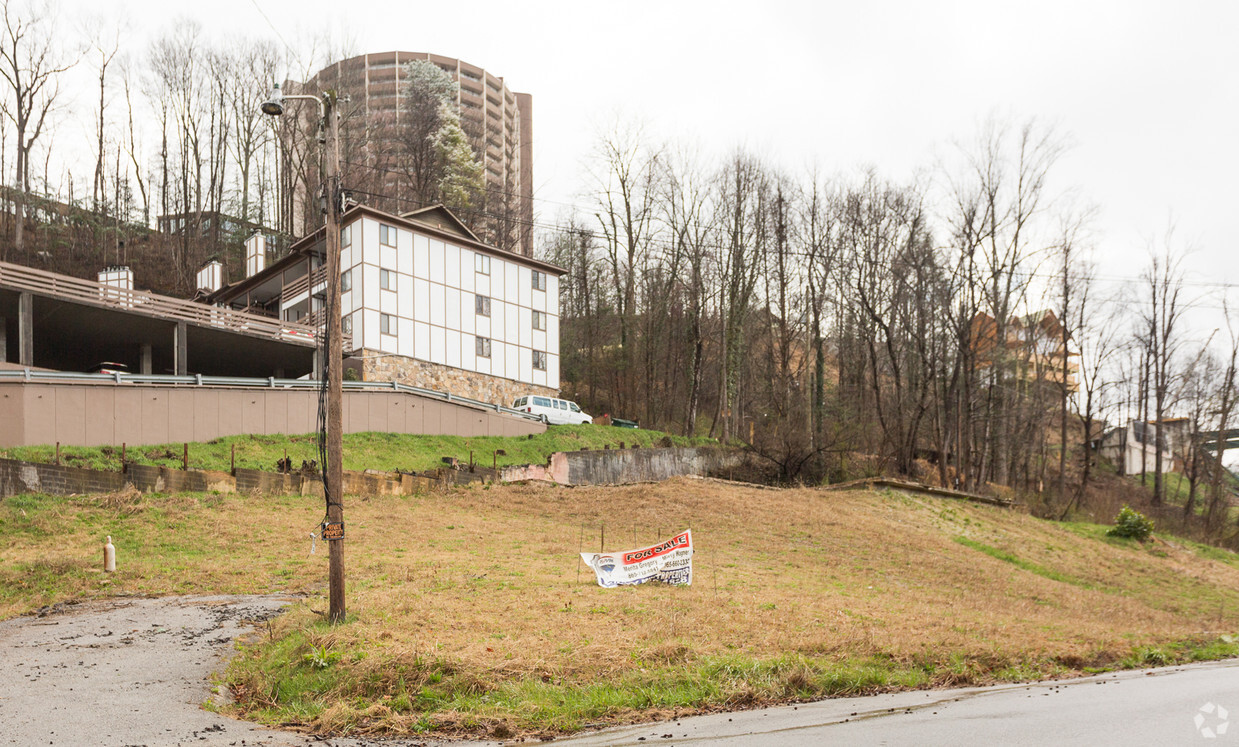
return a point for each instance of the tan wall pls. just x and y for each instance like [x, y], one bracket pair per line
[379, 366]
[102, 414]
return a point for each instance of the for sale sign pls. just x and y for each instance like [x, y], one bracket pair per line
[670, 562]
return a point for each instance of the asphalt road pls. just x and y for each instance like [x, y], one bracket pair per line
[1145, 707]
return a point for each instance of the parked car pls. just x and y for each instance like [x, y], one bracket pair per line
[553, 411]
[108, 367]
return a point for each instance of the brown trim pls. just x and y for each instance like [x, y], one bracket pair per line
[412, 225]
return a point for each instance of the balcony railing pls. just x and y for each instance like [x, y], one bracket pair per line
[53, 285]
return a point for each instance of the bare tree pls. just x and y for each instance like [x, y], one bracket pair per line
[1162, 314]
[31, 62]
[626, 212]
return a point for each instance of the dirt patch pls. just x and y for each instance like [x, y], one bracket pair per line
[131, 671]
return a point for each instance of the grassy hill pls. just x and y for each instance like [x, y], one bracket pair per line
[469, 613]
[382, 451]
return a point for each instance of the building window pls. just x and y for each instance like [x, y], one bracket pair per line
[539, 360]
[481, 305]
[346, 281]
[481, 263]
[483, 347]
[539, 280]
[539, 320]
[387, 235]
[346, 237]
[387, 280]
[346, 324]
[387, 324]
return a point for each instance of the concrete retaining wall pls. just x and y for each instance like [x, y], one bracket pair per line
[27, 477]
[624, 466]
[613, 467]
[109, 414]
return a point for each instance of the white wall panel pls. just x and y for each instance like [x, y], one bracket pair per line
[511, 280]
[437, 313]
[511, 361]
[406, 346]
[497, 286]
[525, 288]
[404, 251]
[369, 277]
[436, 261]
[539, 340]
[369, 248]
[511, 323]
[371, 326]
[453, 348]
[467, 274]
[466, 312]
[387, 257]
[421, 341]
[552, 334]
[387, 302]
[483, 325]
[526, 365]
[468, 352]
[539, 377]
[451, 262]
[421, 300]
[438, 342]
[552, 371]
[496, 320]
[453, 308]
[421, 256]
[524, 326]
[404, 293]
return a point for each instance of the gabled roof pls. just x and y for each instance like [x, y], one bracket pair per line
[438, 216]
[436, 220]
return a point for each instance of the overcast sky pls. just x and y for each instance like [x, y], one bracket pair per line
[1146, 92]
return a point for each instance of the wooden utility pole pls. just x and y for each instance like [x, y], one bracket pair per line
[334, 469]
[333, 358]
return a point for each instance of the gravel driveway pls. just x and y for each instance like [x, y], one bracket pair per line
[131, 672]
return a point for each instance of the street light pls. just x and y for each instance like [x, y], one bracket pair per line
[333, 470]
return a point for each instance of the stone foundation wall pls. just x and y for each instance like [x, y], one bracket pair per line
[378, 366]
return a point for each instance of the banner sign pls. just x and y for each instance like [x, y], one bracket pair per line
[670, 562]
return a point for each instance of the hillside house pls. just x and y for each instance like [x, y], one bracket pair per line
[1033, 349]
[425, 302]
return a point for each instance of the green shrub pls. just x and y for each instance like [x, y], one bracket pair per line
[1132, 524]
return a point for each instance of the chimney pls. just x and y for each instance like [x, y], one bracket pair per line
[117, 281]
[117, 276]
[211, 276]
[255, 254]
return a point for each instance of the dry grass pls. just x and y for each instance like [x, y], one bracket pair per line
[468, 611]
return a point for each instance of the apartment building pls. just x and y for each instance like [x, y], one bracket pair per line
[424, 303]
[497, 121]
[1033, 349]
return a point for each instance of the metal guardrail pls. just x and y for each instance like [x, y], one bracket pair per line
[89, 292]
[27, 375]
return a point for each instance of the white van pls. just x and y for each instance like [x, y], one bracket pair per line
[553, 411]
